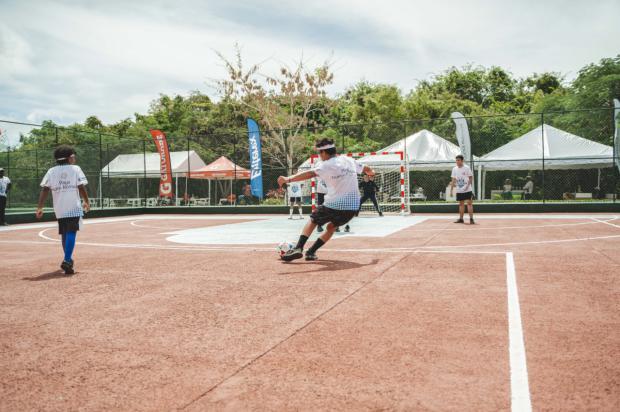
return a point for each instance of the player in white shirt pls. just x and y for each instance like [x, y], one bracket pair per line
[342, 200]
[5, 186]
[294, 191]
[321, 191]
[463, 179]
[67, 183]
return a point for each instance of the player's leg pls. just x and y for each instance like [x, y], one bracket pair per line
[299, 208]
[2, 210]
[298, 251]
[336, 218]
[320, 200]
[470, 209]
[373, 199]
[363, 199]
[291, 205]
[461, 210]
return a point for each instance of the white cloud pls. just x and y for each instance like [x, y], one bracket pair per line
[66, 60]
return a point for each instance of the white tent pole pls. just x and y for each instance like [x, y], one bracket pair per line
[484, 182]
[479, 181]
[176, 190]
[100, 192]
[209, 193]
[137, 188]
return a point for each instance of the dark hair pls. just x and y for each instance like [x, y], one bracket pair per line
[460, 157]
[63, 153]
[326, 141]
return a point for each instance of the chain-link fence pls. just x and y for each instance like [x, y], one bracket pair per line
[564, 156]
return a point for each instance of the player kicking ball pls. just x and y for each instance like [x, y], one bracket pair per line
[342, 200]
[67, 183]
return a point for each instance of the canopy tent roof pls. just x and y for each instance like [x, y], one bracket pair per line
[424, 149]
[562, 150]
[221, 169]
[133, 165]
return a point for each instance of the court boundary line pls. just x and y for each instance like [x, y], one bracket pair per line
[519, 382]
[605, 222]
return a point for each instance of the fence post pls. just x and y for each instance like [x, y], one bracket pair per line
[187, 180]
[615, 154]
[542, 136]
[100, 170]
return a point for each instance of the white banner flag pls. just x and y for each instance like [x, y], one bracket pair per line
[462, 135]
[617, 132]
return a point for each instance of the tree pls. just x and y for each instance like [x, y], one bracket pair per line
[285, 104]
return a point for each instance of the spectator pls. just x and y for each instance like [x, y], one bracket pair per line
[507, 192]
[5, 186]
[528, 189]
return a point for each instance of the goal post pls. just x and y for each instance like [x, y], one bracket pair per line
[391, 176]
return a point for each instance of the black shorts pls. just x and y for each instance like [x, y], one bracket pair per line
[68, 224]
[320, 198]
[464, 196]
[294, 199]
[324, 215]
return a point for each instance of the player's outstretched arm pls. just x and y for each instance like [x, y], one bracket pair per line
[299, 177]
[42, 197]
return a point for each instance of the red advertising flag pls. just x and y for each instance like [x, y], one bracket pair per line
[165, 170]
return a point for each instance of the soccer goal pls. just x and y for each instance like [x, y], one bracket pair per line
[391, 177]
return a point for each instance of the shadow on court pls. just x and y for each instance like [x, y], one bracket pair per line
[327, 266]
[57, 274]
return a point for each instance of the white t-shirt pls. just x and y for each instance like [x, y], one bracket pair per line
[4, 183]
[63, 181]
[529, 187]
[340, 176]
[462, 175]
[321, 187]
[294, 189]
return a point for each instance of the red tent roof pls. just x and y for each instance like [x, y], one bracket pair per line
[221, 169]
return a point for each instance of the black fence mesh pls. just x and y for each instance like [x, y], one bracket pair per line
[557, 173]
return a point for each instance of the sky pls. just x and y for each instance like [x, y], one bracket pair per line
[65, 60]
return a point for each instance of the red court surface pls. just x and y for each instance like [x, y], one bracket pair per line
[515, 312]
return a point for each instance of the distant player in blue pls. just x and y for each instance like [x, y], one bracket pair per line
[67, 183]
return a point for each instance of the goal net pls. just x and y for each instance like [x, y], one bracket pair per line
[391, 178]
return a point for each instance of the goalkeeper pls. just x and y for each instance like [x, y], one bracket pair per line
[369, 189]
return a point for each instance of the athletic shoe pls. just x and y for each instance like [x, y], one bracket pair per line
[290, 218]
[380, 214]
[338, 229]
[301, 217]
[471, 222]
[311, 256]
[319, 229]
[293, 254]
[347, 228]
[67, 267]
[460, 221]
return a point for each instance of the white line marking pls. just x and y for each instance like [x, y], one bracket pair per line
[519, 385]
[606, 222]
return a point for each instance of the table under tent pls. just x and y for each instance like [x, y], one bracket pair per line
[550, 149]
[221, 171]
[142, 167]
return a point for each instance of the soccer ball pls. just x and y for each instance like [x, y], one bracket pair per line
[284, 247]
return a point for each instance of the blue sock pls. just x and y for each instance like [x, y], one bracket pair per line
[64, 241]
[69, 245]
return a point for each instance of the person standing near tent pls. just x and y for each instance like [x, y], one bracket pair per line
[293, 190]
[463, 178]
[67, 183]
[5, 186]
[528, 189]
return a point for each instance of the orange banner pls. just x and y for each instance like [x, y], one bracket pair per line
[165, 170]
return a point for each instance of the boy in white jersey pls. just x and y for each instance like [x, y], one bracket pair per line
[294, 191]
[341, 201]
[463, 178]
[67, 183]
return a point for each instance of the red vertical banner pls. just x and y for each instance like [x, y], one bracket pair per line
[165, 171]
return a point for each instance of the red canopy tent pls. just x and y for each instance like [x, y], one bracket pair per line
[221, 169]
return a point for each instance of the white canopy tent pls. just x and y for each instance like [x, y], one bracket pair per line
[424, 150]
[139, 166]
[548, 147]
